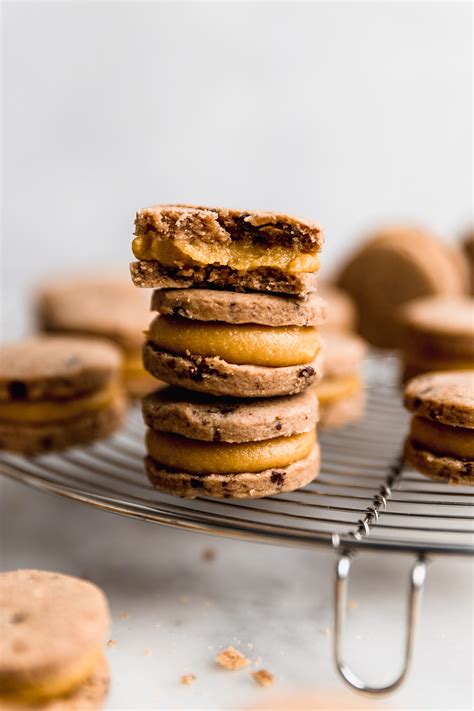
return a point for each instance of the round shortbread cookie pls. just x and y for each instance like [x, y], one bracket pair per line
[245, 485]
[54, 628]
[343, 353]
[393, 267]
[47, 437]
[56, 367]
[442, 468]
[446, 397]
[342, 411]
[234, 307]
[440, 326]
[198, 416]
[218, 377]
[341, 310]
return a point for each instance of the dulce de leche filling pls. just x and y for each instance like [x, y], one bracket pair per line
[241, 344]
[59, 410]
[243, 255]
[197, 457]
[443, 439]
[335, 388]
[70, 678]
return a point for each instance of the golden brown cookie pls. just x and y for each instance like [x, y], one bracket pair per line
[340, 392]
[52, 643]
[438, 334]
[394, 267]
[58, 391]
[107, 306]
[441, 442]
[183, 246]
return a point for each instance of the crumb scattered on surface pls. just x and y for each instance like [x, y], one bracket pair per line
[147, 652]
[353, 604]
[187, 679]
[263, 677]
[249, 645]
[209, 554]
[124, 615]
[232, 659]
[112, 643]
[258, 661]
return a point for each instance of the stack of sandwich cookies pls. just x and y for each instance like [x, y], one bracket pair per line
[58, 391]
[438, 335]
[340, 392]
[105, 306]
[441, 442]
[199, 445]
[54, 629]
[237, 318]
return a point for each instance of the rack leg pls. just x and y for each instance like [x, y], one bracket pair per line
[417, 579]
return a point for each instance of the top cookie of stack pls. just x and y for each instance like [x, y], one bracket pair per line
[235, 294]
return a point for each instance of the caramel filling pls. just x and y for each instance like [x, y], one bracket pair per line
[236, 343]
[58, 410]
[243, 255]
[443, 439]
[65, 682]
[197, 457]
[332, 389]
[133, 365]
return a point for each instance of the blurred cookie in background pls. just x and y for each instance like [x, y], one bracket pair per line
[468, 247]
[57, 392]
[341, 311]
[394, 266]
[340, 392]
[107, 306]
[438, 334]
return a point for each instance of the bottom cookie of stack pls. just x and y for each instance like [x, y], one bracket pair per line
[230, 448]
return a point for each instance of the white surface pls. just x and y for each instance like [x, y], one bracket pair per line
[183, 610]
[348, 113]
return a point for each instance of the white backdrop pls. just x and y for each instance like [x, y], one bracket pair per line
[348, 113]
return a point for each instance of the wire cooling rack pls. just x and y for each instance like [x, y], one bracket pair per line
[364, 498]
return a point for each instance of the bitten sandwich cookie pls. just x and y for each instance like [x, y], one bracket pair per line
[106, 306]
[340, 392]
[392, 268]
[438, 335]
[58, 391]
[234, 344]
[181, 246]
[230, 448]
[52, 644]
[441, 439]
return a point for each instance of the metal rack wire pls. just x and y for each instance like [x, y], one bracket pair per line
[365, 498]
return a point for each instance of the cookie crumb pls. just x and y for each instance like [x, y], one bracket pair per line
[250, 645]
[258, 661]
[353, 604]
[232, 659]
[124, 616]
[187, 679]
[112, 643]
[263, 677]
[147, 652]
[209, 554]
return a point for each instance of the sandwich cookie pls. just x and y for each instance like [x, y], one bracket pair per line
[340, 392]
[52, 644]
[228, 447]
[438, 335]
[106, 306]
[341, 311]
[392, 268]
[182, 246]
[254, 346]
[58, 391]
[441, 439]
